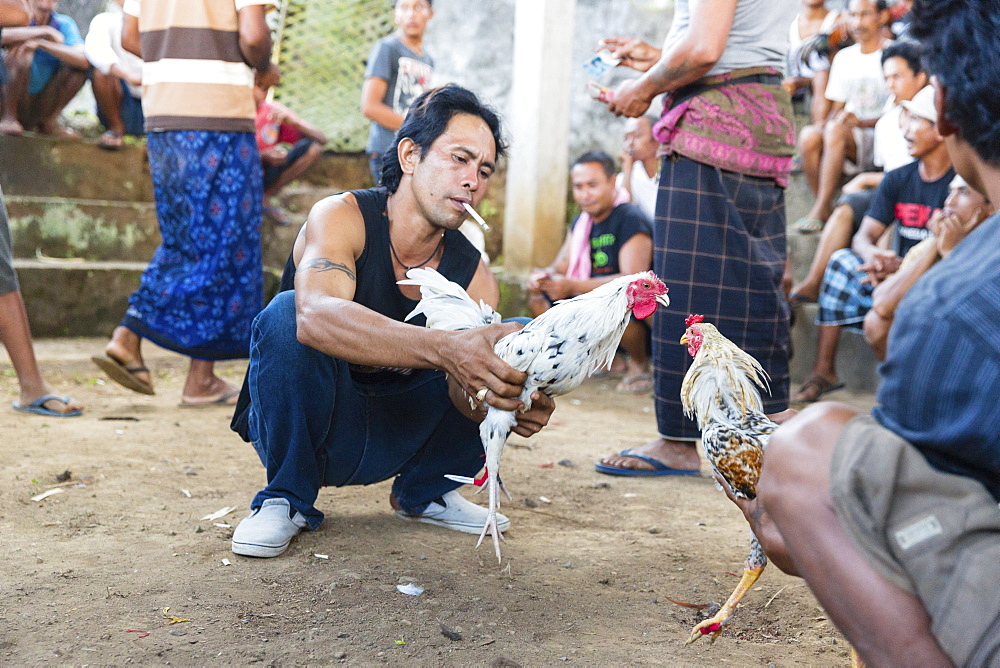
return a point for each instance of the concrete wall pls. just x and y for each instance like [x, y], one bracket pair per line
[472, 44]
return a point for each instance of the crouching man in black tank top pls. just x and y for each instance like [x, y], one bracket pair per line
[340, 391]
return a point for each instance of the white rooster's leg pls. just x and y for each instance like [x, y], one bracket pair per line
[503, 488]
[491, 519]
[494, 431]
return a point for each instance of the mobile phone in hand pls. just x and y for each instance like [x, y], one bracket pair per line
[599, 92]
[601, 62]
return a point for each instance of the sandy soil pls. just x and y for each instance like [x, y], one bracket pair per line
[121, 566]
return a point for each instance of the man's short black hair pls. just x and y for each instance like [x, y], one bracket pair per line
[908, 50]
[961, 40]
[606, 162]
[427, 120]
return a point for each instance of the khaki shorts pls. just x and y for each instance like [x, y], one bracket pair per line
[934, 534]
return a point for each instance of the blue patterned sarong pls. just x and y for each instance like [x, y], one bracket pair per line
[204, 285]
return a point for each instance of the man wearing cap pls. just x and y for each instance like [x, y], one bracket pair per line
[906, 199]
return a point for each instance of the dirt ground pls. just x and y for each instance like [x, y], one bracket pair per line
[122, 567]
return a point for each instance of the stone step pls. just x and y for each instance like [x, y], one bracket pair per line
[98, 230]
[76, 297]
[298, 198]
[85, 298]
[857, 365]
[47, 166]
[108, 231]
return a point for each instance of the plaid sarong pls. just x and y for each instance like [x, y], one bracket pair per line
[719, 245]
[844, 299]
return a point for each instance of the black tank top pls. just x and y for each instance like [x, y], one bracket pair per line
[376, 279]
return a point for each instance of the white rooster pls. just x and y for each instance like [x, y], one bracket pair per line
[557, 350]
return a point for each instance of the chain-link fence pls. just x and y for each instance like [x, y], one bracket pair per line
[322, 49]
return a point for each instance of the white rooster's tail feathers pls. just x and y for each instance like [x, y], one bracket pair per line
[446, 305]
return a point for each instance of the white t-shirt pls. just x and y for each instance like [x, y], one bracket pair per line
[643, 189]
[890, 150]
[103, 48]
[856, 80]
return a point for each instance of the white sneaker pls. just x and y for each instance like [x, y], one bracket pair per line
[268, 530]
[458, 514]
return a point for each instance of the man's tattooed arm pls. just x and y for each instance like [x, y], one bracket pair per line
[322, 264]
[666, 78]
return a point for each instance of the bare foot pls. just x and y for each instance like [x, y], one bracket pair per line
[803, 292]
[638, 379]
[110, 141]
[203, 388]
[815, 387]
[680, 455]
[11, 127]
[224, 395]
[58, 130]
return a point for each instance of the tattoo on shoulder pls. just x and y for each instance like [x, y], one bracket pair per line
[322, 264]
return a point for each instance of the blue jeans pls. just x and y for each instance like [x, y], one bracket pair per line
[313, 423]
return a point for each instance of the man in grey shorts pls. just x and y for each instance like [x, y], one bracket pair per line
[892, 518]
[35, 394]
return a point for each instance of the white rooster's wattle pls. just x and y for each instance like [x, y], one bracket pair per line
[557, 350]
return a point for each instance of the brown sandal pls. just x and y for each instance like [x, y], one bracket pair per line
[819, 386]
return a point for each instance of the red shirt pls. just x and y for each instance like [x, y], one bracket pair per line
[270, 133]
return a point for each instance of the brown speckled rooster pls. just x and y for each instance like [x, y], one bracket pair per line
[720, 392]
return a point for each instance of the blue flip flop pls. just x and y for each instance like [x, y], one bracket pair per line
[659, 468]
[38, 407]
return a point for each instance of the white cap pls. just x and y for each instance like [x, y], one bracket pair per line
[922, 104]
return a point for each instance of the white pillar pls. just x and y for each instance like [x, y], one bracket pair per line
[538, 122]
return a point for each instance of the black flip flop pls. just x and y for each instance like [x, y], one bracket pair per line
[123, 375]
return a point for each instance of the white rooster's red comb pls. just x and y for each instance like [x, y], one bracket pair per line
[694, 320]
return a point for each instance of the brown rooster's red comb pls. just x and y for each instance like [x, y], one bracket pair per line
[694, 319]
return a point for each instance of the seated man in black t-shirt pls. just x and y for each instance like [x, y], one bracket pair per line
[906, 199]
[610, 238]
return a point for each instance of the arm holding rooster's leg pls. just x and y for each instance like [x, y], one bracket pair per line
[759, 520]
[795, 514]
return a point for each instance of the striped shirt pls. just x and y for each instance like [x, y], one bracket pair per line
[194, 76]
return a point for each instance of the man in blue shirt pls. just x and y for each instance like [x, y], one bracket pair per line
[892, 518]
[47, 68]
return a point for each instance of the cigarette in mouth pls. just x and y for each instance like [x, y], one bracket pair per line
[476, 216]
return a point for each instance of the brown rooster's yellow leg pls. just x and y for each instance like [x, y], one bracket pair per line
[856, 660]
[713, 625]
